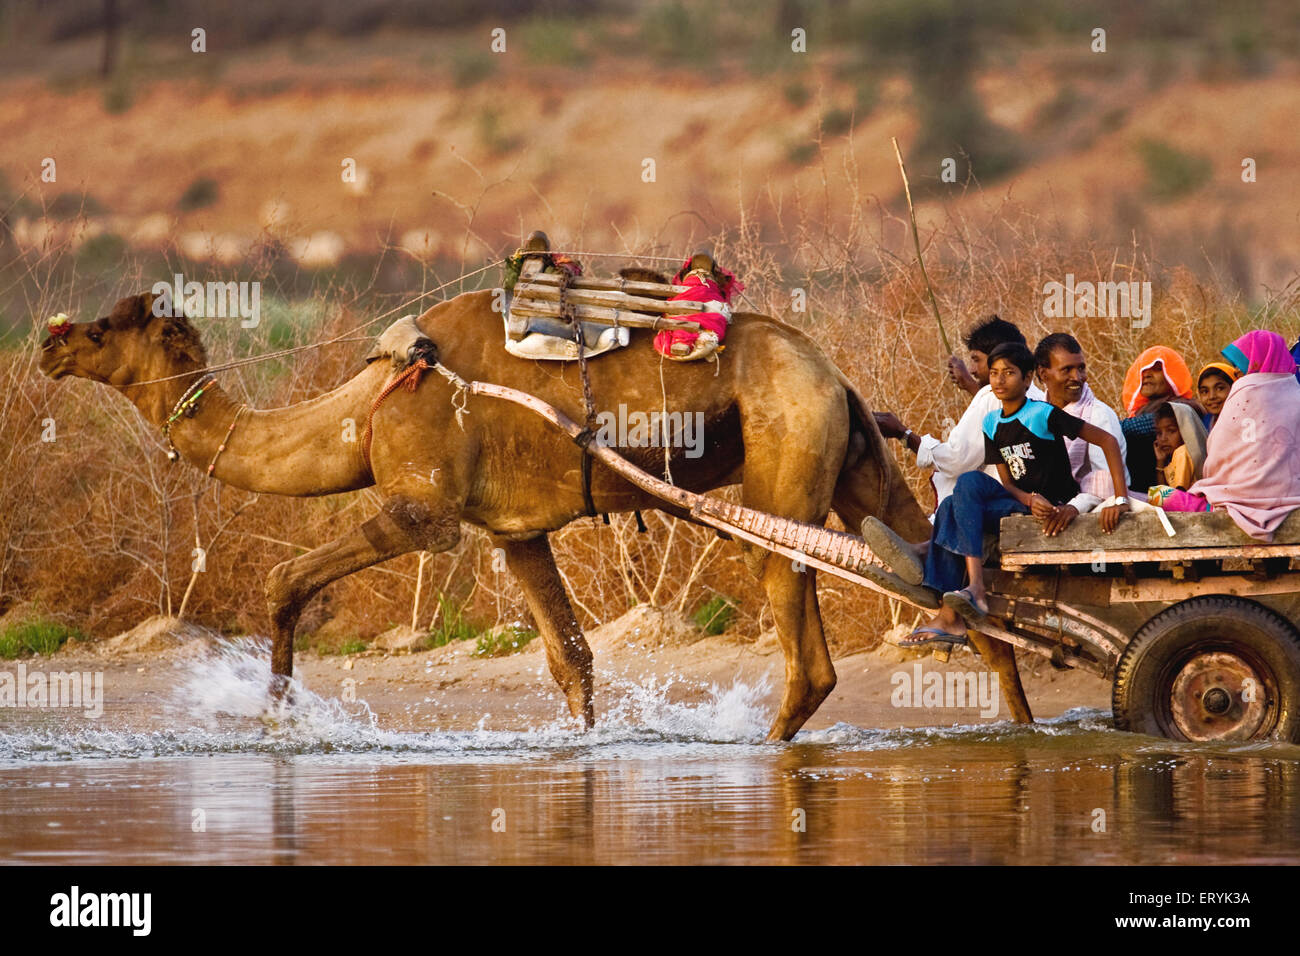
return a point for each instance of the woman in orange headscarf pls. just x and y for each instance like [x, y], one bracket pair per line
[1159, 375]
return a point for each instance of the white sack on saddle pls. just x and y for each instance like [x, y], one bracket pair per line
[536, 345]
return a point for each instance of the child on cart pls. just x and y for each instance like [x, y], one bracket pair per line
[1025, 438]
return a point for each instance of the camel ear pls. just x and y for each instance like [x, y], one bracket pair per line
[135, 310]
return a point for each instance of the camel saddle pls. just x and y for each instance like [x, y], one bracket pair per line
[544, 337]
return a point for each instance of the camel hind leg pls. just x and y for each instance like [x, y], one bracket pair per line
[787, 446]
[871, 483]
[402, 525]
[809, 673]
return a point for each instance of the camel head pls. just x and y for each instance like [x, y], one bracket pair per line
[128, 345]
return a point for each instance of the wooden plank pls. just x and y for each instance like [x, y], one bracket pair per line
[1023, 533]
[1169, 590]
[611, 285]
[1057, 586]
[1025, 559]
[612, 300]
[602, 316]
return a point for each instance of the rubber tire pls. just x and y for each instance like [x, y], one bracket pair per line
[1222, 622]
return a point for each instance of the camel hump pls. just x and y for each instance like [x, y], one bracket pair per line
[537, 241]
[401, 343]
[642, 274]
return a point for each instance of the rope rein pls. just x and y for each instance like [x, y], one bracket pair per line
[341, 337]
[410, 377]
[460, 394]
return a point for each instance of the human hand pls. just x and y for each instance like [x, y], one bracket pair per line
[889, 425]
[1060, 519]
[961, 376]
[1110, 517]
[1040, 507]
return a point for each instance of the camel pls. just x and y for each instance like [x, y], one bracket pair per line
[780, 419]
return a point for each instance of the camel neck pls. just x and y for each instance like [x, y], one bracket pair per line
[311, 448]
[199, 433]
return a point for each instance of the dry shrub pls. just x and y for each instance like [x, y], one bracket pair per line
[99, 528]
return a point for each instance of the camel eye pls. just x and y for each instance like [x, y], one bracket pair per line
[95, 336]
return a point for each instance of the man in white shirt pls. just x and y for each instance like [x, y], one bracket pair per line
[1064, 373]
[963, 450]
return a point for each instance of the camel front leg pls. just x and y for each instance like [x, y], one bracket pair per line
[402, 525]
[567, 653]
[1000, 657]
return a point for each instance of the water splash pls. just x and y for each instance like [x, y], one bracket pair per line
[735, 714]
[222, 707]
[232, 682]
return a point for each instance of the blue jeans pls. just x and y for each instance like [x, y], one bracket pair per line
[976, 506]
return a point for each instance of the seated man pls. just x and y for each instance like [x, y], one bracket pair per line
[963, 450]
[1064, 374]
[1025, 439]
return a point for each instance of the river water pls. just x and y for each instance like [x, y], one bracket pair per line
[673, 784]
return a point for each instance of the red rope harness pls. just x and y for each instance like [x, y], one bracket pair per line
[410, 377]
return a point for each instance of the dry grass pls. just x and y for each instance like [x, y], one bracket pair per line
[98, 528]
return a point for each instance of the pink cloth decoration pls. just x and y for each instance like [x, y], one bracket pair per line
[1252, 461]
[699, 289]
[1179, 500]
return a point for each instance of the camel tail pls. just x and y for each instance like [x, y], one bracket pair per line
[871, 481]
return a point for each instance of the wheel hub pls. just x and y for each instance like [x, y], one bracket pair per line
[1218, 696]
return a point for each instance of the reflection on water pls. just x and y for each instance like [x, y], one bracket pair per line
[1057, 794]
[657, 782]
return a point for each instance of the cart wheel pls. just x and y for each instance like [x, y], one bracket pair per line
[1211, 668]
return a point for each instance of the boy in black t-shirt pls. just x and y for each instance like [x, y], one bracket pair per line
[1026, 441]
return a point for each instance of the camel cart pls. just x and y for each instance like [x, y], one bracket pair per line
[1194, 630]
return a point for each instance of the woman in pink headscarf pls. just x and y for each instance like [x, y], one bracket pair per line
[1252, 460]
